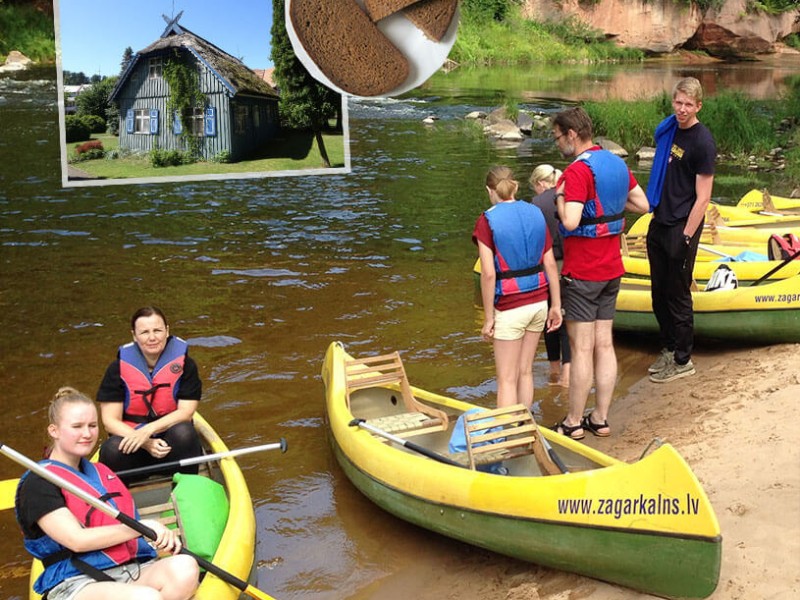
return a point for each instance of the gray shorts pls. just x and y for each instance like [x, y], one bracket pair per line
[588, 301]
[69, 588]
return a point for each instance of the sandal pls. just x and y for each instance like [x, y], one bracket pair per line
[569, 430]
[595, 428]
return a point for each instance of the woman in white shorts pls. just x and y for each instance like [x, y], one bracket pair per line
[518, 275]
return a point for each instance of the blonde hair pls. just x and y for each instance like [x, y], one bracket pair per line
[65, 395]
[501, 180]
[691, 87]
[546, 174]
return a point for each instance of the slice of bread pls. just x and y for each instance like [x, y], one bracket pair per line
[347, 46]
[433, 17]
[380, 9]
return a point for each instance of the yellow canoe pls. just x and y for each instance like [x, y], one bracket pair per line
[764, 314]
[236, 551]
[761, 201]
[647, 525]
[746, 271]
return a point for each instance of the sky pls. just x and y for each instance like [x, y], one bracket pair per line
[93, 34]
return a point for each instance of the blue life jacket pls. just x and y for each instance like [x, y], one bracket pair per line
[519, 234]
[604, 215]
[60, 562]
[151, 395]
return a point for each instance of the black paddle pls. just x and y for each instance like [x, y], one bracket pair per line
[405, 443]
[98, 504]
[785, 262]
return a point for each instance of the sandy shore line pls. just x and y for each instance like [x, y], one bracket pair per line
[733, 423]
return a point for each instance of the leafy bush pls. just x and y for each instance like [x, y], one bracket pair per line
[224, 156]
[94, 123]
[76, 130]
[169, 158]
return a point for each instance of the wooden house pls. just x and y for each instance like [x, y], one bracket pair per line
[239, 114]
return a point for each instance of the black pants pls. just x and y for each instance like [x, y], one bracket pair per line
[557, 345]
[671, 267]
[181, 437]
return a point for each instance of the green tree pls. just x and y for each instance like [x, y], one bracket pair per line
[73, 78]
[127, 57]
[94, 101]
[304, 102]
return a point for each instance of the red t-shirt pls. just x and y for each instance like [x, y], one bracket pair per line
[590, 259]
[483, 234]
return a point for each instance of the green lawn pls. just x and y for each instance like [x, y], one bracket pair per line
[291, 152]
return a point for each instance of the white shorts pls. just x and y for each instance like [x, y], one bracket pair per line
[69, 588]
[512, 324]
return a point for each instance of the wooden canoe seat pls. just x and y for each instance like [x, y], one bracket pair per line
[633, 245]
[388, 371]
[166, 513]
[502, 434]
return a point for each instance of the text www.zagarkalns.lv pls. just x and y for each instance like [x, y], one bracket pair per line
[623, 507]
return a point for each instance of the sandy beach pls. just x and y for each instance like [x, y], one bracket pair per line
[733, 422]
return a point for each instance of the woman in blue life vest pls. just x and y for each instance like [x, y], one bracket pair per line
[518, 275]
[148, 397]
[87, 554]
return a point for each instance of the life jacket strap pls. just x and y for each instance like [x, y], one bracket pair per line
[520, 273]
[601, 219]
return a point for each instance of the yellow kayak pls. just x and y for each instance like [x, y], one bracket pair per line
[761, 201]
[531, 494]
[745, 271]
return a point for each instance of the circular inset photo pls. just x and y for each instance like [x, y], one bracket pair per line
[372, 48]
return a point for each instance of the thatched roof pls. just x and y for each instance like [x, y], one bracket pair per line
[234, 75]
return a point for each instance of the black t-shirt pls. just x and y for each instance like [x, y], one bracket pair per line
[112, 388]
[693, 153]
[36, 497]
[546, 201]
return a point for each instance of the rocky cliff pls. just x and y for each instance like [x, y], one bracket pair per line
[661, 26]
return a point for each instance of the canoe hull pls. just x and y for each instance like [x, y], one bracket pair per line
[681, 568]
[646, 525]
[764, 314]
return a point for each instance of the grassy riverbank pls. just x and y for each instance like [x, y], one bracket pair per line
[28, 30]
[742, 127]
[494, 32]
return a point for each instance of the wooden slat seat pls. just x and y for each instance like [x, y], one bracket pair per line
[387, 371]
[166, 513]
[502, 434]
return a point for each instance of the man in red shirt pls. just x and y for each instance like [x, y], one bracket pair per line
[593, 193]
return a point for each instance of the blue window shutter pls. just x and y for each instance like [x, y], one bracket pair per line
[129, 121]
[153, 121]
[211, 121]
[177, 126]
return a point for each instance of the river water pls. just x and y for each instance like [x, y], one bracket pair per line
[260, 275]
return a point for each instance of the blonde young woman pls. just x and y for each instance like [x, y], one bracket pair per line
[87, 554]
[518, 274]
[543, 182]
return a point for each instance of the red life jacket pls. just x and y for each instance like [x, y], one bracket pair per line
[781, 247]
[61, 563]
[149, 395]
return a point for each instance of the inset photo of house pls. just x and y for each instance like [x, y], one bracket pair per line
[179, 90]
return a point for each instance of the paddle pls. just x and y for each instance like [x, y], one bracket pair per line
[785, 262]
[196, 460]
[439, 457]
[9, 486]
[98, 504]
[405, 443]
[553, 456]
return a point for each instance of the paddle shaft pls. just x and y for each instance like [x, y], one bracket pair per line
[127, 520]
[196, 460]
[553, 456]
[405, 443]
[785, 262]
[713, 251]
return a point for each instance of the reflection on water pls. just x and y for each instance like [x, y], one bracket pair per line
[260, 276]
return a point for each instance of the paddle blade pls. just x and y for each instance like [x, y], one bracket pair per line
[8, 490]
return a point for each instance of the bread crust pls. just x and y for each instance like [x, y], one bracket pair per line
[433, 17]
[380, 9]
[347, 46]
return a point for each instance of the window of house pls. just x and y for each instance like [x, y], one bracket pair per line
[241, 116]
[195, 117]
[156, 66]
[141, 121]
[256, 117]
